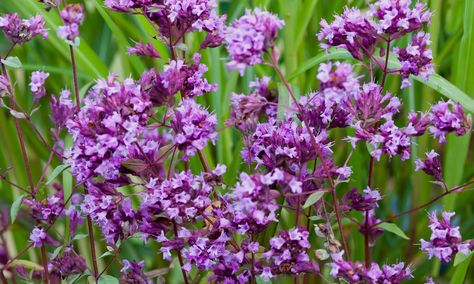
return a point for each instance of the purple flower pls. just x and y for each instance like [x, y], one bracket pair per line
[416, 58]
[37, 84]
[72, 15]
[249, 37]
[352, 31]
[63, 109]
[109, 124]
[338, 83]
[356, 272]
[362, 202]
[132, 272]
[396, 18]
[448, 117]
[352, 272]
[288, 253]
[193, 126]
[47, 210]
[394, 274]
[431, 165]
[284, 144]
[144, 49]
[247, 109]
[445, 240]
[182, 199]
[37, 237]
[252, 202]
[67, 264]
[19, 31]
[111, 211]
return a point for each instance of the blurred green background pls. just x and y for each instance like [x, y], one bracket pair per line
[105, 37]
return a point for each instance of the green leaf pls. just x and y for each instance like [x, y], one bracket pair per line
[26, 264]
[58, 170]
[392, 228]
[79, 237]
[12, 61]
[460, 272]
[16, 207]
[56, 252]
[107, 279]
[461, 257]
[313, 198]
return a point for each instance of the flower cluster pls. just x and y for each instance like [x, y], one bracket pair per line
[431, 165]
[252, 202]
[397, 18]
[72, 15]
[47, 210]
[362, 202]
[445, 240]
[193, 126]
[67, 264]
[108, 125]
[19, 31]
[183, 198]
[175, 18]
[176, 77]
[288, 253]
[132, 272]
[325, 109]
[448, 117]
[284, 144]
[416, 58]
[37, 237]
[144, 49]
[357, 273]
[249, 37]
[112, 211]
[386, 21]
[37, 84]
[245, 110]
[62, 109]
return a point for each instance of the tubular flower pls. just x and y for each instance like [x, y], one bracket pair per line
[37, 84]
[448, 117]
[431, 165]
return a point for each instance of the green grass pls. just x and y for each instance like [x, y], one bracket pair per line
[105, 37]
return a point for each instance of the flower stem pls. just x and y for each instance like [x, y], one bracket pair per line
[18, 129]
[44, 259]
[180, 258]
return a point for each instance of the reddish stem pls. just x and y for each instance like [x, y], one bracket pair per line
[180, 258]
[45, 264]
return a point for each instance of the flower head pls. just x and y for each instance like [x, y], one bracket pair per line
[144, 49]
[37, 237]
[194, 127]
[445, 240]
[431, 165]
[288, 253]
[132, 272]
[416, 58]
[37, 84]
[352, 31]
[109, 124]
[19, 31]
[249, 37]
[448, 117]
[72, 15]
